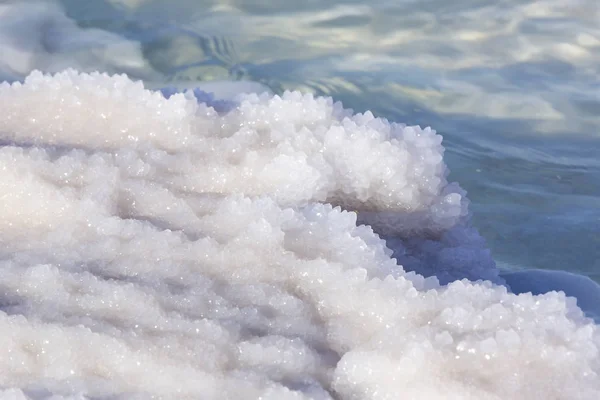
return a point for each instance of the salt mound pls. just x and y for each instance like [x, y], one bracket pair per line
[158, 247]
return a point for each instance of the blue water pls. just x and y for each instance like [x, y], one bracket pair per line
[513, 86]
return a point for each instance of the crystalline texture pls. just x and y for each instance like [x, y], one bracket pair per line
[159, 247]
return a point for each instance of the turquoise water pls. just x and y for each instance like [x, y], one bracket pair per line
[513, 86]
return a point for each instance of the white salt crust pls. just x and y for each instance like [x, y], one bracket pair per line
[154, 248]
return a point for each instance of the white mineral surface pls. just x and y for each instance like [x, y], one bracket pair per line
[159, 248]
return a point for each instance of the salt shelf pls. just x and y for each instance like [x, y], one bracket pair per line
[155, 247]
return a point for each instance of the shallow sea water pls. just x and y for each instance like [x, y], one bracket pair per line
[513, 87]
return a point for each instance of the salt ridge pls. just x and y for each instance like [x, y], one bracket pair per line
[157, 247]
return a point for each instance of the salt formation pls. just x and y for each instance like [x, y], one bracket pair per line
[154, 247]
